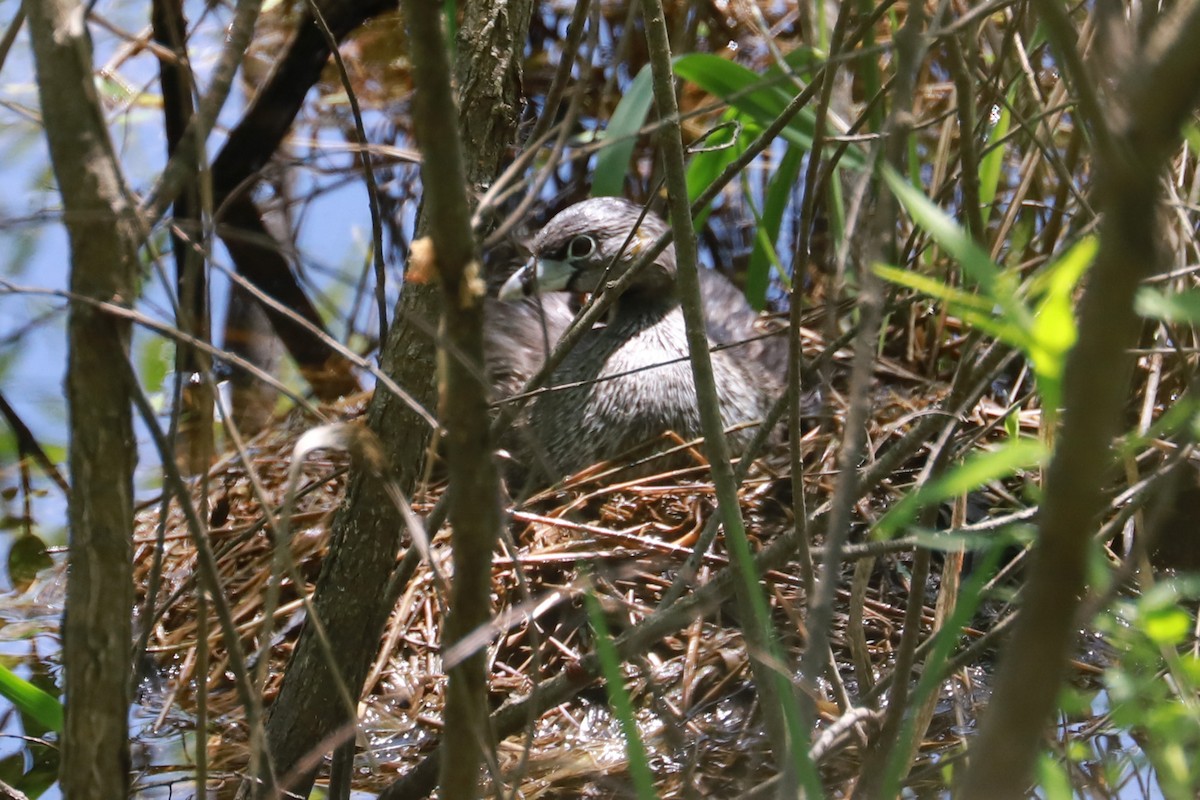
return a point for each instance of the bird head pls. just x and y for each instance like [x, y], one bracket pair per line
[590, 244]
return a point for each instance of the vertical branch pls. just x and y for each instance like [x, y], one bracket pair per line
[195, 445]
[807, 225]
[910, 47]
[770, 670]
[100, 221]
[850, 483]
[180, 169]
[1135, 141]
[365, 536]
[474, 488]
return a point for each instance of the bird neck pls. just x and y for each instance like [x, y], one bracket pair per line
[640, 307]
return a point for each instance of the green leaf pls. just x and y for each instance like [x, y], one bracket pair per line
[450, 12]
[26, 558]
[764, 256]
[1182, 307]
[1053, 778]
[1060, 277]
[949, 235]
[1045, 334]
[619, 701]
[743, 89]
[1191, 135]
[1167, 627]
[991, 164]
[975, 471]
[936, 289]
[835, 206]
[977, 541]
[155, 360]
[29, 699]
[760, 100]
[1012, 423]
[719, 148]
[975, 310]
[620, 137]
[1054, 330]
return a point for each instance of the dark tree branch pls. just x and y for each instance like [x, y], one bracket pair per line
[180, 170]
[29, 447]
[195, 400]
[259, 258]
[258, 135]
[249, 147]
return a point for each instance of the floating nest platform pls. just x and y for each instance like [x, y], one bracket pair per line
[626, 543]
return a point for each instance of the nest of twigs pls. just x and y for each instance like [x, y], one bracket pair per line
[625, 542]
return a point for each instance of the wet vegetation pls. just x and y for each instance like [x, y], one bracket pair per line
[959, 557]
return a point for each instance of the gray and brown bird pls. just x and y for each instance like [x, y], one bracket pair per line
[628, 381]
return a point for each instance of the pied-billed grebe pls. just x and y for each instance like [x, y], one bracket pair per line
[628, 381]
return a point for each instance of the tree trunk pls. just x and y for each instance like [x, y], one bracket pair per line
[1137, 133]
[99, 215]
[366, 530]
[474, 496]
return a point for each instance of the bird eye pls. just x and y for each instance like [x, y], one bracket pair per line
[581, 247]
